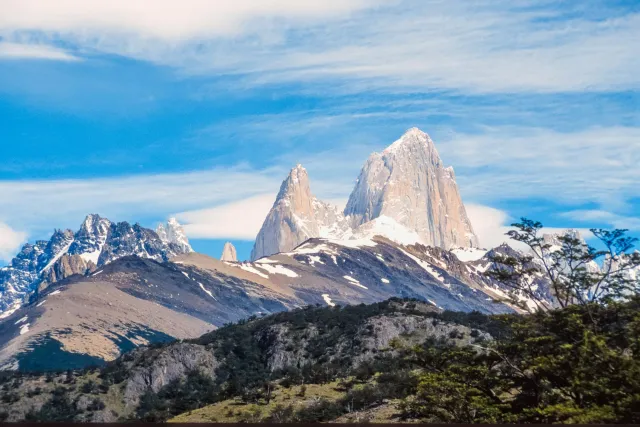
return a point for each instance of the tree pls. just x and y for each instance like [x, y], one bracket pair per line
[574, 361]
[571, 269]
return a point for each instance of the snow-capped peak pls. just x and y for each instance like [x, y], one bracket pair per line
[97, 242]
[410, 137]
[174, 233]
[408, 183]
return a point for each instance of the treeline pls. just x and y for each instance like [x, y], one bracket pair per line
[244, 372]
[550, 368]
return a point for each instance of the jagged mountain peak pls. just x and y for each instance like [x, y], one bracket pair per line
[173, 233]
[296, 216]
[94, 222]
[408, 183]
[403, 192]
[412, 137]
[295, 185]
[229, 253]
[97, 242]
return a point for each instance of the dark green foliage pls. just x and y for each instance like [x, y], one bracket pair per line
[58, 408]
[177, 397]
[35, 392]
[321, 410]
[96, 405]
[10, 397]
[90, 387]
[553, 368]
[567, 267]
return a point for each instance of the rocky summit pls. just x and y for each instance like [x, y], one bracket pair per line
[404, 193]
[97, 243]
[408, 183]
[229, 253]
[296, 216]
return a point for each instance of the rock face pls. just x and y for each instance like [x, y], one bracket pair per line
[174, 363]
[67, 266]
[409, 183]
[404, 193]
[96, 243]
[296, 216]
[229, 253]
[174, 233]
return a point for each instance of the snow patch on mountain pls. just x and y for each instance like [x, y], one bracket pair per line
[250, 269]
[279, 269]
[327, 299]
[469, 254]
[355, 282]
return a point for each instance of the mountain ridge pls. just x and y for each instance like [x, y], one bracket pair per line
[403, 193]
[97, 242]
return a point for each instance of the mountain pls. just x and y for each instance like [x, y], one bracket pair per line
[334, 340]
[394, 361]
[91, 318]
[409, 184]
[132, 301]
[404, 193]
[173, 233]
[229, 253]
[96, 243]
[296, 216]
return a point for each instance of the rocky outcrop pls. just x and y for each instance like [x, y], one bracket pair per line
[67, 266]
[173, 233]
[409, 183]
[296, 216]
[378, 332]
[172, 362]
[229, 253]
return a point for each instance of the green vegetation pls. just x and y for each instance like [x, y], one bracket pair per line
[576, 362]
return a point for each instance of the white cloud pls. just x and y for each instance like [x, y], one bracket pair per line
[123, 198]
[591, 165]
[491, 225]
[168, 20]
[237, 220]
[10, 241]
[487, 46]
[33, 51]
[599, 216]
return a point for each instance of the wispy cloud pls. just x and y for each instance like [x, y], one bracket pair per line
[125, 198]
[491, 225]
[604, 217]
[10, 241]
[169, 20]
[236, 220]
[596, 165]
[34, 51]
[404, 45]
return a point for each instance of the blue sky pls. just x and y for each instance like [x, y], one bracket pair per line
[199, 109]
